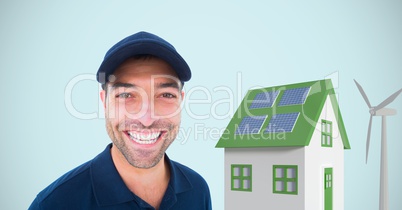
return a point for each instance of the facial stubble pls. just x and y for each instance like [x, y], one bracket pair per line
[142, 158]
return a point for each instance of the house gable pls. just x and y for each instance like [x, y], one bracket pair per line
[264, 117]
[320, 157]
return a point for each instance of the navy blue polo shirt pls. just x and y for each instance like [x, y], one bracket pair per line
[96, 184]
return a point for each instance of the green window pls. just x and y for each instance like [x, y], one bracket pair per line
[326, 133]
[241, 177]
[285, 179]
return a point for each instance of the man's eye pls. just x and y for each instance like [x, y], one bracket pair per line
[124, 95]
[168, 95]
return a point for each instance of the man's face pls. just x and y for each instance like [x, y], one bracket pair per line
[142, 109]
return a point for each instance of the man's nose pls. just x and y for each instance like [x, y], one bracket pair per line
[147, 115]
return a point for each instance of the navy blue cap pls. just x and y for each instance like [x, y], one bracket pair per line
[142, 43]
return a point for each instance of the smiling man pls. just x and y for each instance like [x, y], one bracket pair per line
[142, 78]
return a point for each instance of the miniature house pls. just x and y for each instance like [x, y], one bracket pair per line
[284, 149]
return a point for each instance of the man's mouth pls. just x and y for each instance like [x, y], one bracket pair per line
[144, 137]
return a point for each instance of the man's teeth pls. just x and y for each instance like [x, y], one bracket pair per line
[144, 138]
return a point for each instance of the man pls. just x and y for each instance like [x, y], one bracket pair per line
[142, 78]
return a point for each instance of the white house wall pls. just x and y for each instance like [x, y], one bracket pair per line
[262, 161]
[318, 158]
[311, 161]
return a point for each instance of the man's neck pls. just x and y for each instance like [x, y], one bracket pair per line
[149, 184]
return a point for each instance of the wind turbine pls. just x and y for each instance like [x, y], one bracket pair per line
[380, 110]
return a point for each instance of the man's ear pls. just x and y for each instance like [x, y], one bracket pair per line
[182, 95]
[102, 95]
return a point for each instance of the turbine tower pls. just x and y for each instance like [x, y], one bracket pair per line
[380, 110]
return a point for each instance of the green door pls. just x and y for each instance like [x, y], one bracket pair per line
[328, 184]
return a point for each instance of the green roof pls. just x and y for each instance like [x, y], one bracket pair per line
[301, 132]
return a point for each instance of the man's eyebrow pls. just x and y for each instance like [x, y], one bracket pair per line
[168, 85]
[158, 85]
[121, 84]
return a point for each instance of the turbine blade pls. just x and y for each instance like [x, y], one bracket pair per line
[363, 94]
[368, 137]
[388, 100]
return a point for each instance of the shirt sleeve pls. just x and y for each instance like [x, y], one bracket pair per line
[209, 203]
[35, 205]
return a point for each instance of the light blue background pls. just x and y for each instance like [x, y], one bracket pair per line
[233, 44]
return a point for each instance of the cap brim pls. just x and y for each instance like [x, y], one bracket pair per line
[148, 47]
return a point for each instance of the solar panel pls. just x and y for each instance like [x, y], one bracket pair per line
[250, 125]
[264, 100]
[294, 96]
[282, 123]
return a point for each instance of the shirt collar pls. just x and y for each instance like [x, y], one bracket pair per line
[110, 189]
[178, 180]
